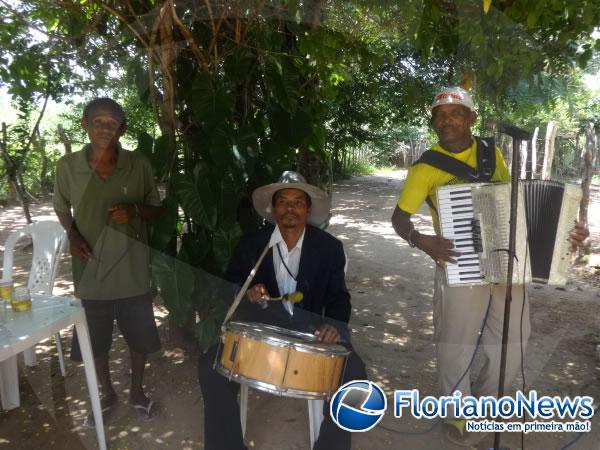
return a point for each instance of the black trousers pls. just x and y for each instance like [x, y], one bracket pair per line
[222, 427]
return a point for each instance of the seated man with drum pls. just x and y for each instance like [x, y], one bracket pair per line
[298, 257]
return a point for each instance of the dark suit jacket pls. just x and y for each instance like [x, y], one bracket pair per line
[320, 274]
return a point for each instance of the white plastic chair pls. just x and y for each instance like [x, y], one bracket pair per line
[315, 414]
[49, 240]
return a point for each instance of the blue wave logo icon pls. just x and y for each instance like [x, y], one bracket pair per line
[358, 405]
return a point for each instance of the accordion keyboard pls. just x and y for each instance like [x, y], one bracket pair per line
[476, 217]
[457, 222]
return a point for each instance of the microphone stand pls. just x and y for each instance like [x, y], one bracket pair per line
[518, 135]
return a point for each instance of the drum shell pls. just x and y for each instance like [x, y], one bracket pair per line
[281, 367]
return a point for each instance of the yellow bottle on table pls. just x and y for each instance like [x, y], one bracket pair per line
[21, 300]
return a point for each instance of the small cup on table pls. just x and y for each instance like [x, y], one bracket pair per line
[6, 290]
[21, 300]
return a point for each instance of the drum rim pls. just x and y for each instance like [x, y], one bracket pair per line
[313, 346]
[272, 388]
[293, 333]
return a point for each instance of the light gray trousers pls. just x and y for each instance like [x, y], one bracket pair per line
[458, 315]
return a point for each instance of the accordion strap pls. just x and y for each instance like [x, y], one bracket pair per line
[486, 164]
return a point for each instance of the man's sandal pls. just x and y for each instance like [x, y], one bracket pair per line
[148, 413]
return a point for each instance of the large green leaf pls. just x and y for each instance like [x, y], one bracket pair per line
[238, 65]
[145, 144]
[221, 151]
[212, 103]
[197, 194]
[224, 242]
[228, 201]
[208, 329]
[189, 198]
[283, 81]
[207, 179]
[175, 280]
[160, 156]
[291, 129]
[194, 248]
[211, 305]
[141, 82]
[164, 228]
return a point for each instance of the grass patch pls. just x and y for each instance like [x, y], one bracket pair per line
[387, 169]
[358, 168]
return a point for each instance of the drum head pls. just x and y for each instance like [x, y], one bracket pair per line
[279, 336]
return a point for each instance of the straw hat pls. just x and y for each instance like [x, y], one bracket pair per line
[320, 201]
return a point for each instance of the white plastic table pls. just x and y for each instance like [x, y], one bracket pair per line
[20, 330]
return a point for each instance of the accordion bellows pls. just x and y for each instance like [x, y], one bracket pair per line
[477, 215]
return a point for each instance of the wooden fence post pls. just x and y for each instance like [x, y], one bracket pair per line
[591, 148]
[534, 170]
[549, 149]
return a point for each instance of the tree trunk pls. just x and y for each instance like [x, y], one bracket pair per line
[549, 149]
[591, 148]
[40, 145]
[167, 57]
[62, 134]
[13, 176]
[309, 165]
[578, 160]
[410, 154]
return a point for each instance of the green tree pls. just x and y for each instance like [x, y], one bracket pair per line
[239, 89]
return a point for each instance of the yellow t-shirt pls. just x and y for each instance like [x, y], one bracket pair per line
[423, 180]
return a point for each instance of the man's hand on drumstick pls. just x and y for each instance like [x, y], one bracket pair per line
[258, 294]
[577, 235]
[328, 334]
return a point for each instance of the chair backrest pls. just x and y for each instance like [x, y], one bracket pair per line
[49, 240]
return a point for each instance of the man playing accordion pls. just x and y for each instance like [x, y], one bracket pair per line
[461, 312]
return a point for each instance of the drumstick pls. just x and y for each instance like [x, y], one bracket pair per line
[244, 288]
[293, 297]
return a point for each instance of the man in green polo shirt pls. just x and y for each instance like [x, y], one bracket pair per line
[103, 196]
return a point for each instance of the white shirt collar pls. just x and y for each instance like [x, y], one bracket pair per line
[277, 238]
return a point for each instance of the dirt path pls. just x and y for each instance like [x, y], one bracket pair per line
[392, 330]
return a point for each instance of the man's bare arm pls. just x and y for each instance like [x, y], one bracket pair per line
[77, 244]
[402, 224]
[122, 213]
[578, 234]
[438, 248]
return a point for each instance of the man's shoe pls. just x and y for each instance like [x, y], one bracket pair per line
[457, 433]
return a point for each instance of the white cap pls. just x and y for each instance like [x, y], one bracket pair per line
[453, 96]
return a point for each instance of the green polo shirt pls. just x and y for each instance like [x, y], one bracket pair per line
[120, 264]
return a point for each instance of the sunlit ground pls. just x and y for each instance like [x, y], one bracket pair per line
[391, 287]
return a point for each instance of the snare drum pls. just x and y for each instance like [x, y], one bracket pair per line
[280, 361]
